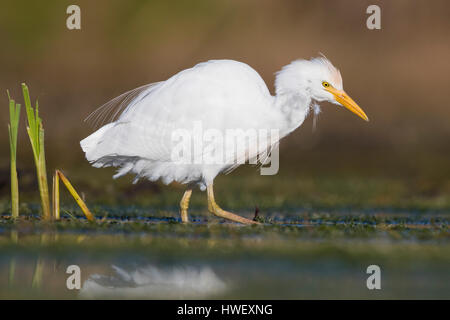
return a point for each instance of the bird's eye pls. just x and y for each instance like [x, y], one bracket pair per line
[325, 84]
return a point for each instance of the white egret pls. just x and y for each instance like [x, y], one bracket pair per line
[220, 95]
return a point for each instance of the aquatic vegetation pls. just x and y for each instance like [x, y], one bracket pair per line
[13, 127]
[35, 131]
[56, 209]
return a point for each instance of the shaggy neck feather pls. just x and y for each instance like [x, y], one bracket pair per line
[294, 107]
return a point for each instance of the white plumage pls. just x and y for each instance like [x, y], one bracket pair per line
[219, 95]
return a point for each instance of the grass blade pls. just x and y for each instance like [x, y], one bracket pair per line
[75, 195]
[35, 132]
[42, 176]
[13, 127]
[55, 196]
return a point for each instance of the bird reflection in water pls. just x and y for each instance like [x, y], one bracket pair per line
[154, 282]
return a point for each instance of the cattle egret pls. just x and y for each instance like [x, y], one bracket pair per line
[219, 96]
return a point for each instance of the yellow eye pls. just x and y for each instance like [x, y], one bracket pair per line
[325, 84]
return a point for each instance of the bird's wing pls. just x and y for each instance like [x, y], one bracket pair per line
[110, 111]
[218, 95]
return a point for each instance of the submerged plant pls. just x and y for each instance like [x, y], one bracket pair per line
[13, 127]
[35, 131]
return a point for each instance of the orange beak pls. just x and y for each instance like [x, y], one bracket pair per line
[344, 99]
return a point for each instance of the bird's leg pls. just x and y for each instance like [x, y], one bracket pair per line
[216, 210]
[184, 205]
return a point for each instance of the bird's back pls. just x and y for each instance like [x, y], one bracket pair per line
[218, 94]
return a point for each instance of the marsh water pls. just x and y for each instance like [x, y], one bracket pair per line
[295, 255]
[321, 230]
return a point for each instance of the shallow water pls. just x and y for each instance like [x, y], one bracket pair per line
[296, 256]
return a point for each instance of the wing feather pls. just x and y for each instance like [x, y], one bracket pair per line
[218, 94]
[111, 110]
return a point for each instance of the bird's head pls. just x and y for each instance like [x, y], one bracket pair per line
[318, 78]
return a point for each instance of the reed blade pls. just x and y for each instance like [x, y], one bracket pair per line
[13, 127]
[35, 132]
[75, 195]
[55, 196]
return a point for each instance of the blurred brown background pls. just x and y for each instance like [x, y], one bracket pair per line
[398, 75]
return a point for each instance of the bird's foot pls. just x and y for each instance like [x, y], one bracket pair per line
[216, 210]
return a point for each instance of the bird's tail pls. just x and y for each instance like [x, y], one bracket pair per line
[90, 143]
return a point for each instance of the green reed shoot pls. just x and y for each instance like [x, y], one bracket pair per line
[35, 131]
[13, 127]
